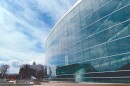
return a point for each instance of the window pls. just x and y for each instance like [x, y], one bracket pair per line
[125, 2]
[119, 16]
[98, 25]
[70, 59]
[112, 48]
[124, 45]
[76, 9]
[79, 46]
[78, 35]
[94, 53]
[80, 56]
[92, 41]
[108, 21]
[105, 10]
[111, 33]
[72, 49]
[125, 60]
[115, 62]
[95, 4]
[77, 18]
[127, 11]
[73, 58]
[86, 55]
[82, 14]
[83, 23]
[95, 65]
[77, 27]
[84, 33]
[102, 50]
[104, 64]
[115, 5]
[122, 30]
[73, 37]
[102, 2]
[91, 29]
[89, 19]
[101, 37]
[86, 43]
[96, 16]
[88, 9]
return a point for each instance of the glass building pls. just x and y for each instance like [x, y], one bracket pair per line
[91, 42]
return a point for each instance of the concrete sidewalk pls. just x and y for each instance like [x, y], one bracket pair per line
[81, 84]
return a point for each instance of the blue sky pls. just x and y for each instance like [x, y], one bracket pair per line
[24, 27]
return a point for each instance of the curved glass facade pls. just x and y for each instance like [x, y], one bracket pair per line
[92, 42]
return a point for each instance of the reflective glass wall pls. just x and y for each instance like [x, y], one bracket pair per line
[92, 42]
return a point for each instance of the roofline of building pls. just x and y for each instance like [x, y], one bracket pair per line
[63, 18]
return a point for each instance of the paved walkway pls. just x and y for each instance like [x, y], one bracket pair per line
[80, 84]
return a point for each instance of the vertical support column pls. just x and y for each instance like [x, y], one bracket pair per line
[66, 60]
[79, 75]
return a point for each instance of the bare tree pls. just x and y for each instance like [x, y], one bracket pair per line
[25, 72]
[4, 69]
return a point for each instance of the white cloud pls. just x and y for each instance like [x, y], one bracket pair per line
[14, 65]
[55, 8]
[24, 32]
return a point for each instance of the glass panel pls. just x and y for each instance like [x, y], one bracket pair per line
[105, 10]
[72, 49]
[101, 38]
[95, 4]
[115, 62]
[112, 48]
[95, 65]
[115, 4]
[124, 45]
[82, 10]
[125, 2]
[85, 43]
[84, 33]
[73, 36]
[88, 9]
[127, 11]
[104, 64]
[74, 58]
[79, 46]
[92, 41]
[83, 23]
[102, 2]
[77, 18]
[102, 50]
[96, 15]
[77, 27]
[78, 35]
[86, 55]
[111, 33]
[70, 59]
[122, 30]
[76, 9]
[98, 25]
[91, 29]
[119, 16]
[80, 56]
[94, 53]
[125, 61]
[108, 21]
[88, 66]
[89, 19]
